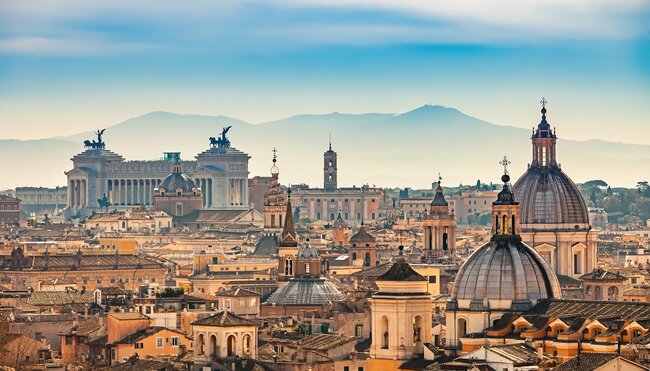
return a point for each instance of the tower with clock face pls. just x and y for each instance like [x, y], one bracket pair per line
[329, 169]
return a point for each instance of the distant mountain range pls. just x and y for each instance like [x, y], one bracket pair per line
[392, 150]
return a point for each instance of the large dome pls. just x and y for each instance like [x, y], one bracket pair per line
[505, 271]
[548, 196]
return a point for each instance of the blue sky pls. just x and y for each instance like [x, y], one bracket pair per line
[69, 66]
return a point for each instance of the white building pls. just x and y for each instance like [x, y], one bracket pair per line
[221, 172]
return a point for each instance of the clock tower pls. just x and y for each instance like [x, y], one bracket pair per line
[329, 169]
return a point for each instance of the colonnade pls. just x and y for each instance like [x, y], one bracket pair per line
[78, 193]
[206, 189]
[237, 191]
[124, 192]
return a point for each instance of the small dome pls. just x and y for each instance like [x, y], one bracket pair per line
[177, 180]
[306, 291]
[505, 269]
[548, 196]
[307, 251]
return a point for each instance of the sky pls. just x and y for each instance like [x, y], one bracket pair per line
[68, 66]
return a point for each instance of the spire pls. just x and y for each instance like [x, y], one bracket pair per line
[289, 236]
[274, 168]
[505, 210]
[505, 197]
[330, 142]
[439, 198]
[544, 128]
[544, 141]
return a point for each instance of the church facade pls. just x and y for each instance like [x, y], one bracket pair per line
[100, 176]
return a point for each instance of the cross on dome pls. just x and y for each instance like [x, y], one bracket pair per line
[505, 162]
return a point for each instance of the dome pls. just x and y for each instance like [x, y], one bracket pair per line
[306, 291]
[177, 180]
[307, 251]
[505, 269]
[548, 196]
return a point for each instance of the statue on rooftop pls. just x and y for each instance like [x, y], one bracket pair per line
[99, 144]
[222, 141]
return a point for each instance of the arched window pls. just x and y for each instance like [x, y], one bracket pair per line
[246, 344]
[201, 344]
[496, 224]
[461, 328]
[354, 256]
[612, 293]
[505, 224]
[288, 267]
[213, 345]
[366, 260]
[384, 332]
[512, 226]
[232, 346]
[417, 328]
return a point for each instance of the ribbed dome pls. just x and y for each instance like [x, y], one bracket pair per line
[306, 291]
[307, 251]
[548, 196]
[505, 269]
[177, 180]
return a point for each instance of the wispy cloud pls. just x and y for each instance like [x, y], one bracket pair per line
[42, 46]
[119, 26]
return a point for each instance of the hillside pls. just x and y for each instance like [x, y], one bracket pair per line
[406, 149]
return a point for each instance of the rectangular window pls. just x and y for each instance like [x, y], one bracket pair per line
[242, 302]
[372, 216]
[175, 342]
[159, 342]
[227, 304]
[139, 345]
[432, 279]
[318, 216]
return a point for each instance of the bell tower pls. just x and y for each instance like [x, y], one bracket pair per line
[439, 228]
[274, 201]
[329, 169]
